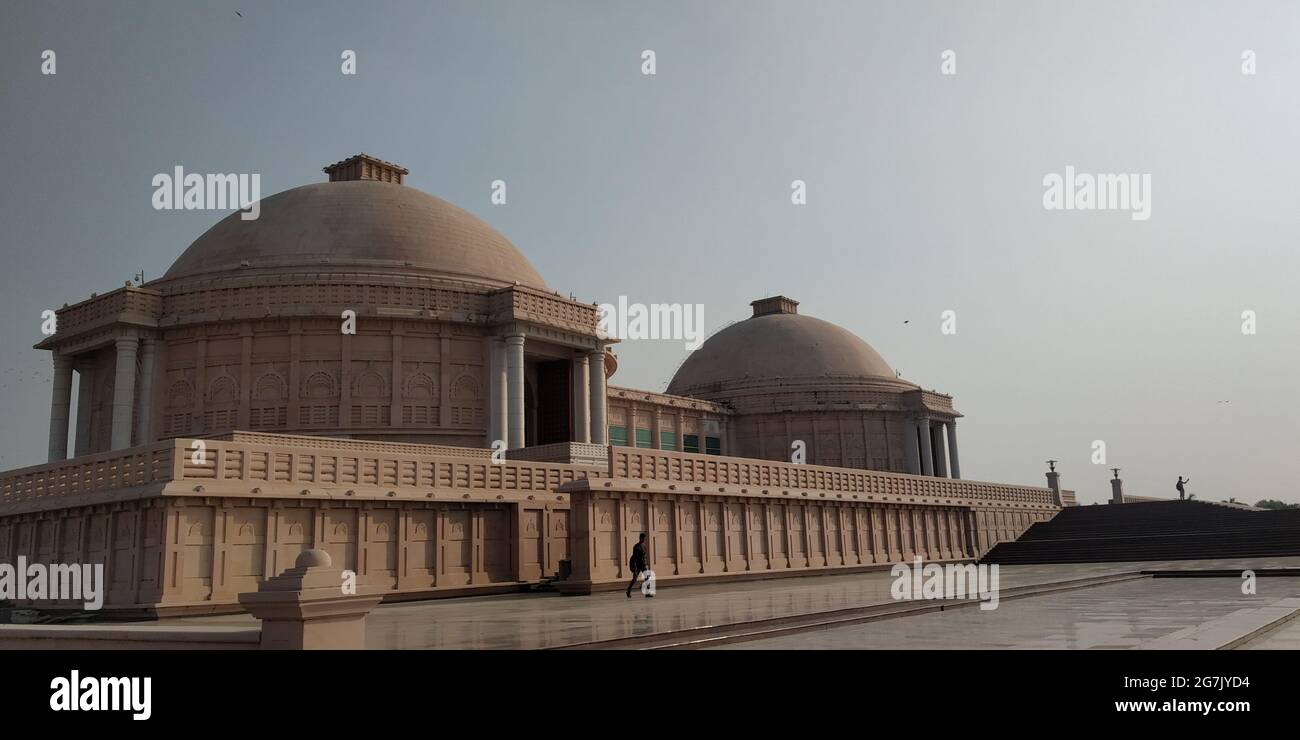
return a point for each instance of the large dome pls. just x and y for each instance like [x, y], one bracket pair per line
[778, 344]
[359, 225]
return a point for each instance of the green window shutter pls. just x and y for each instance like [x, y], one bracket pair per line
[618, 436]
[667, 440]
[713, 445]
[643, 439]
[691, 443]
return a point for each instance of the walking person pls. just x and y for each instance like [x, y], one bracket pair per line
[638, 563]
[1182, 494]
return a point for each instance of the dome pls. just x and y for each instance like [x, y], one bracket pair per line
[778, 344]
[361, 224]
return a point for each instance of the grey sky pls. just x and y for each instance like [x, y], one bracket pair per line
[924, 190]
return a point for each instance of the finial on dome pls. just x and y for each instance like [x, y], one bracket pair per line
[775, 304]
[366, 167]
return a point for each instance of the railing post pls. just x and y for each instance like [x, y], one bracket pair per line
[305, 607]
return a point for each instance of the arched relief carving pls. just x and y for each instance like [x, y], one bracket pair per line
[421, 386]
[180, 394]
[223, 389]
[270, 387]
[370, 384]
[466, 403]
[319, 384]
[466, 388]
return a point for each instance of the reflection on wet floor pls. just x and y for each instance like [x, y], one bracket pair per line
[1118, 616]
[528, 621]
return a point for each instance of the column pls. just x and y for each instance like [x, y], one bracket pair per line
[952, 448]
[60, 401]
[144, 402]
[498, 413]
[911, 450]
[295, 370]
[124, 392]
[599, 427]
[85, 396]
[927, 452]
[397, 393]
[940, 453]
[515, 390]
[581, 399]
[680, 429]
[244, 412]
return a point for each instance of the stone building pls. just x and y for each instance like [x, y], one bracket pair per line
[334, 374]
[457, 339]
[789, 378]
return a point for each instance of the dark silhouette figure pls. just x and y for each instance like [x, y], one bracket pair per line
[638, 563]
[1181, 493]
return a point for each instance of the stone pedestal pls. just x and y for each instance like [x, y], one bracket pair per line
[1054, 483]
[305, 608]
[1116, 491]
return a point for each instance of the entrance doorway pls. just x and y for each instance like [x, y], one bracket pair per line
[554, 402]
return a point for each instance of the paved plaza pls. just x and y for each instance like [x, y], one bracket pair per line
[1132, 614]
[1120, 615]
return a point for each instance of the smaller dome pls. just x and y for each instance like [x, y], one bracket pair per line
[778, 344]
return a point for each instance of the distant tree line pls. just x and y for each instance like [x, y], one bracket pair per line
[1269, 503]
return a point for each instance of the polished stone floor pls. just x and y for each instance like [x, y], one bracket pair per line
[1162, 612]
[1286, 637]
[528, 621]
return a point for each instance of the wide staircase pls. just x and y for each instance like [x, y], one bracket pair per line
[1157, 530]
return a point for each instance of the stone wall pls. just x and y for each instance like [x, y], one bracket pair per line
[716, 518]
[186, 525]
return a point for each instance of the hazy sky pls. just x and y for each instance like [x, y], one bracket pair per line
[925, 191]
